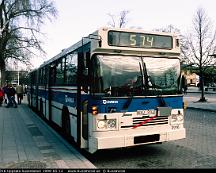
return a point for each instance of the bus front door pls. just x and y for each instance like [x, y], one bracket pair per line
[84, 126]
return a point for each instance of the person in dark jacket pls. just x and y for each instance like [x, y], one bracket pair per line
[11, 96]
[1, 96]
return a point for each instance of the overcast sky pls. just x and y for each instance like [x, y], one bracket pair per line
[78, 18]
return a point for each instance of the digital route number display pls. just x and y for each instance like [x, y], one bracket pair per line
[139, 40]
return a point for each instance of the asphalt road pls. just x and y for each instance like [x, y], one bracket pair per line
[196, 151]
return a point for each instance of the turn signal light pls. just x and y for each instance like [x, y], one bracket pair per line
[94, 110]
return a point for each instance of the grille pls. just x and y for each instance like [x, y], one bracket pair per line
[160, 120]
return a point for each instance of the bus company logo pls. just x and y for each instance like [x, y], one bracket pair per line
[69, 99]
[109, 101]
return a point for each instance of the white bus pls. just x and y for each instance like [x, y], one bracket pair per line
[114, 88]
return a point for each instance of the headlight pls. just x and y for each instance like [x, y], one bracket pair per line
[177, 118]
[109, 124]
[101, 124]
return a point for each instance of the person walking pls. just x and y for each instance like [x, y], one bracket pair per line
[184, 84]
[11, 96]
[185, 89]
[5, 89]
[1, 96]
[19, 91]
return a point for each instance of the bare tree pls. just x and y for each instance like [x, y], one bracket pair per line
[119, 20]
[199, 45]
[170, 28]
[20, 35]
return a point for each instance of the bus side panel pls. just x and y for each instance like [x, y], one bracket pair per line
[64, 98]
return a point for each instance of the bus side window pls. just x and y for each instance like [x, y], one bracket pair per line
[96, 79]
[60, 72]
[71, 66]
[52, 74]
[45, 75]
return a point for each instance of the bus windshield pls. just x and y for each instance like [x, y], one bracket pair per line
[134, 76]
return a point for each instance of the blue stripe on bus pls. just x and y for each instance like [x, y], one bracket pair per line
[65, 98]
[119, 104]
[175, 102]
[43, 93]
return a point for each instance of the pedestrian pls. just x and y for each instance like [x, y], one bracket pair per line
[1, 96]
[184, 84]
[19, 91]
[25, 89]
[5, 89]
[11, 96]
[185, 89]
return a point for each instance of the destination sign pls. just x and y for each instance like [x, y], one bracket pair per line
[139, 40]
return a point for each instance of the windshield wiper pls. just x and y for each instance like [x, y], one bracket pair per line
[144, 75]
[145, 79]
[141, 73]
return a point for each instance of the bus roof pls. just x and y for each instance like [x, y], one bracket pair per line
[97, 32]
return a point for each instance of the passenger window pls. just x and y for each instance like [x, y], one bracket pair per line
[71, 69]
[60, 73]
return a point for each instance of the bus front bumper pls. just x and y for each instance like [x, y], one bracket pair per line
[133, 140]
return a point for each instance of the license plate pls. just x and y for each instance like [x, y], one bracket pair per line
[146, 112]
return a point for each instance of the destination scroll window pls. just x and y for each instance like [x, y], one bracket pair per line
[139, 40]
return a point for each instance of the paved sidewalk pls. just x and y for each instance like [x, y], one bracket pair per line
[194, 95]
[28, 142]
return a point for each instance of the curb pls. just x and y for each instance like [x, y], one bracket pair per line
[200, 92]
[203, 109]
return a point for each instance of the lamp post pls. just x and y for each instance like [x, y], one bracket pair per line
[16, 65]
[17, 74]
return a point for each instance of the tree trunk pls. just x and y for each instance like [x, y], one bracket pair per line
[202, 98]
[2, 71]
